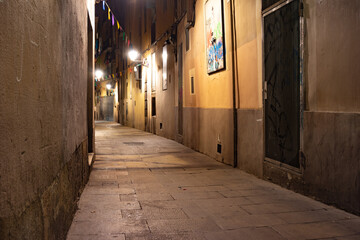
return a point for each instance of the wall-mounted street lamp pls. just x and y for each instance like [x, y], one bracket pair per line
[99, 74]
[108, 86]
[133, 55]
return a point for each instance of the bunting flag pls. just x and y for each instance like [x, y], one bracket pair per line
[113, 19]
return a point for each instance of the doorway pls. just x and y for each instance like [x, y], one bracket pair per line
[281, 26]
[106, 110]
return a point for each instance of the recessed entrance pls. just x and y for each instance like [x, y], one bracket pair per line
[282, 82]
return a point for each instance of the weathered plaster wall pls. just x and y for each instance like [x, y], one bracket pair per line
[332, 122]
[332, 55]
[43, 115]
[165, 98]
[332, 170]
[249, 53]
[204, 128]
[207, 114]
[251, 141]
[249, 85]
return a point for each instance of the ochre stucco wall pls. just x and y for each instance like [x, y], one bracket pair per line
[214, 90]
[249, 53]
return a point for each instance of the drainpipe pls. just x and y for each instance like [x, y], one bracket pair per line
[234, 79]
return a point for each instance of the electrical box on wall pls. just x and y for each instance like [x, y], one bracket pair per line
[218, 148]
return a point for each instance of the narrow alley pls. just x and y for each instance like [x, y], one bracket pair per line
[179, 119]
[143, 186]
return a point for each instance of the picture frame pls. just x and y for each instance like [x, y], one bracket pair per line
[214, 36]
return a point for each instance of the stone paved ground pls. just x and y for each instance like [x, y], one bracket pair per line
[147, 187]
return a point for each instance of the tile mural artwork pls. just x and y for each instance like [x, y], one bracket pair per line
[215, 54]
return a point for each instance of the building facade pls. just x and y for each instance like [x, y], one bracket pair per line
[270, 87]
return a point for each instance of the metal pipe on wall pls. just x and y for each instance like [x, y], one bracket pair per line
[234, 79]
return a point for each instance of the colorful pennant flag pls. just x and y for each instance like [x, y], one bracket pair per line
[113, 19]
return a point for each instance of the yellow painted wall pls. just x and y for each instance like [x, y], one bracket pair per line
[211, 91]
[215, 90]
[249, 53]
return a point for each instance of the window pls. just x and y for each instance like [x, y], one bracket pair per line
[153, 32]
[126, 89]
[153, 106]
[164, 69]
[153, 73]
[138, 72]
[192, 87]
[192, 81]
[187, 33]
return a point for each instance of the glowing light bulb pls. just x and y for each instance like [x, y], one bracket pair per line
[99, 74]
[133, 55]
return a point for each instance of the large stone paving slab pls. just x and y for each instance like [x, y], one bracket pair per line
[146, 187]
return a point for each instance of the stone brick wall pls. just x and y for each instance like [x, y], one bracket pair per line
[43, 144]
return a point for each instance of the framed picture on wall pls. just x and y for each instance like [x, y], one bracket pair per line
[214, 30]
